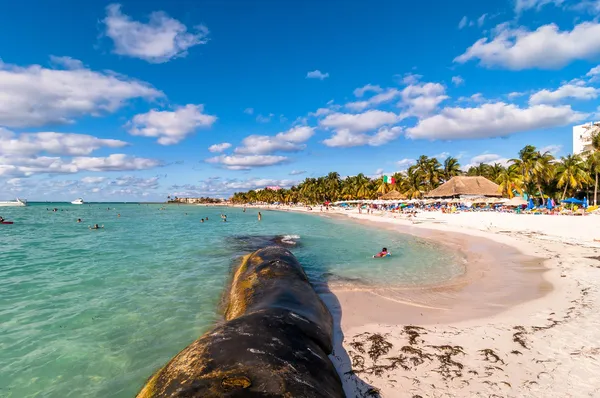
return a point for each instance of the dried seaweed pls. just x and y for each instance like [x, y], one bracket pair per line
[491, 356]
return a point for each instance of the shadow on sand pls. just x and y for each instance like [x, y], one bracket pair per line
[354, 386]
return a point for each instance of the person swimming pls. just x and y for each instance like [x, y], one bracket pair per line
[259, 216]
[96, 226]
[202, 220]
[383, 253]
[79, 220]
[1, 219]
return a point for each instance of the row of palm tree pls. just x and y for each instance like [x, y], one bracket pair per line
[536, 173]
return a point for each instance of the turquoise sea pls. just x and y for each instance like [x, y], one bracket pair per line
[94, 313]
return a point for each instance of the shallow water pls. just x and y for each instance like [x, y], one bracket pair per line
[93, 313]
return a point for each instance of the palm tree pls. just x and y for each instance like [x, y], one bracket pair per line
[415, 187]
[571, 173]
[451, 168]
[510, 179]
[494, 171]
[542, 171]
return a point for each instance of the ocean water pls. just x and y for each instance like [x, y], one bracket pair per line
[94, 313]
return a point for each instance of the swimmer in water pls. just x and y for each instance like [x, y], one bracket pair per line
[383, 253]
[202, 220]
[96, 226]
[119, 215]
[1, 219]
[259, 216]
[79, 220]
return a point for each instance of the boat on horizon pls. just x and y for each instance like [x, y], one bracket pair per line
[77, 201]
[13, 203]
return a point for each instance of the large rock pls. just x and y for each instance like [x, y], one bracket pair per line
[274, 341]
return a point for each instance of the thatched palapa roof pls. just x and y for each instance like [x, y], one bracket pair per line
[393, 195]
[462, 185]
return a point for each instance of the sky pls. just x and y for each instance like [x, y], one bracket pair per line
[138, 100]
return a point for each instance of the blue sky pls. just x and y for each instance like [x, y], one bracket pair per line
[137, 100]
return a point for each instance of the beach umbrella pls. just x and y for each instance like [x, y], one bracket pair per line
[585, 203]
[573, 201]
[549, 204]
[531, 205]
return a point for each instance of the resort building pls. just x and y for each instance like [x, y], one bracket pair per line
[582, 137]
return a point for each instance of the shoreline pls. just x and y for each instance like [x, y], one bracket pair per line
[539, 346]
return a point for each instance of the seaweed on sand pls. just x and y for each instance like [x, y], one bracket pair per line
[413, 332]
[417, 356]
[379, 346]
[491, 356]
[519, 337]
[449, 368]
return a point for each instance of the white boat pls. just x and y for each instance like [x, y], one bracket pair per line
[78, 201]
[14, 203]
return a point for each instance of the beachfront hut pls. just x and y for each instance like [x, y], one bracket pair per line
[393, 195]
[464, 187]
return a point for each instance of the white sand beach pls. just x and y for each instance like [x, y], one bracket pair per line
[524, 321]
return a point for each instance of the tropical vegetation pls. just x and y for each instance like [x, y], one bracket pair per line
[539, 174]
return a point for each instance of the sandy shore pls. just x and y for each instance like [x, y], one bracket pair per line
[524, 321]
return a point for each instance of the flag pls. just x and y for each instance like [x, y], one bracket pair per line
[389, 180]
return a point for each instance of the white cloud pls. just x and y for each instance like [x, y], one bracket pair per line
[441, 155]
[523, 5]
[93, 180]
[36, 96]
[551, 149]
[264, 119]
[481, 20]
[288, 141]
[135, 182]
[545, 48]
[346, 138]
[381, 98]
[590, 6]
[226, 187]
[565, 91]
[359, 92]
[492, 120]
[378, 172]
[27, 166]
[27, 144]
[219, 147]
[515, 94]
[249, 111]
[171, 127]
[405, 163]
[317, 74]
[411, 78]
[421, 99]
[457, 80]
[486, 158]
[160, 40]
[297, 172]
[463, 22]
[66, 62]
[246, 162]
[359, 123]
[594, 73]
[320, 112]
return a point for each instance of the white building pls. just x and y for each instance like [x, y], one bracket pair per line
[582, 137]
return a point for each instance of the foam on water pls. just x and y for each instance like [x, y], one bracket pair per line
[94, 313]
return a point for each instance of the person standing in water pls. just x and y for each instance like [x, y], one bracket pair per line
[259, 216]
